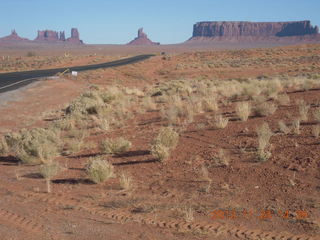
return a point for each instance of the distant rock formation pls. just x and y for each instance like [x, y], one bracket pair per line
[53, 36]
[142, 39]
[253, 30]
[75, 37]
[13, 37]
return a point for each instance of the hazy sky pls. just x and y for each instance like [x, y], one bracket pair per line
[165, 21]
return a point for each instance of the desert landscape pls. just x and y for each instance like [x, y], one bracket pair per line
[214, 138]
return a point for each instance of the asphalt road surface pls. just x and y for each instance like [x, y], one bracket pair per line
[14, 80]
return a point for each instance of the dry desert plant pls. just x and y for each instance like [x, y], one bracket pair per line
[99, 170]
[167, 137]
[316, 130]
[243, 110]
[264, 134]
[222, 160]
[316, 115]
[296, 126]
[265, 109]
[220, 121]
[283, 127]
[35, 146]
[125, 181]
[3, 146]
[210, 104]
[160, 152]
[284, 99]
[115, 146]
[188, 214]
[303, 110]
[149, 104]
[48, 170]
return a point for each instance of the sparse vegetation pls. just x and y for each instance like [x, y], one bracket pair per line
[220, 121]
[296, 126]
[243, 110]
[303, 110]
[125, 181]
[265, 109]
[283, 127]
[115, 146]
[316, 130]
[99, 170]
[48, 170]
[264, 134]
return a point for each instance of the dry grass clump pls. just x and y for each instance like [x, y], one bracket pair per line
[167, 137]
[303, 110]
[316, 115]
[149, 104]
[264, 134]
[243, 110]
[222, 160]
[48, 170]
[166, 140]
[265, 109]
[115, 146]
[296, 126]
[283, 99]
[316, 130]
[126, 182]
[283, 127]
[99, 170]
[4, 149]
[35, 146]
[210, 104]
[220, 121]
[160, 152]
[65, 124]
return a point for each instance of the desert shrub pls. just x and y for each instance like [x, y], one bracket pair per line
[48, 170]
[149, 104]
[31, 54]
[284, 99]
[316, 115]
[125, 181]
[210, 104]
[283, 127]
[220, 122]
[160, 152]
[73, 145]
[167, 137]
[222, 159]
[88, 103]
[170, 114]
[35, 146]
[303, 110]
[316, 130]
[264, 134]
[243, 110]
[265, 109]
[4, 148]
[115, 146]
[296, 126]
[99, 170]
[65, 124]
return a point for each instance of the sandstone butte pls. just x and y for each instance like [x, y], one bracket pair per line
[254, 31]
[48, 36]
[142, 39]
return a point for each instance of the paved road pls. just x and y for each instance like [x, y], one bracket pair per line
[14, 80]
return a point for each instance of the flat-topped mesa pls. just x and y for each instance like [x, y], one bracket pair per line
[142, 39]
[47, 35]
[53, 36]
[253, 29]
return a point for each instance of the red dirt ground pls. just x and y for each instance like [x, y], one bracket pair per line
[78, 209]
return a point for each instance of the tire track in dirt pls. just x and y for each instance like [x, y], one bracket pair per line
[21, 222]
[213, 228]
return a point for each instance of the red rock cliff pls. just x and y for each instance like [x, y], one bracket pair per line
[259, 29]
[53, 36]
